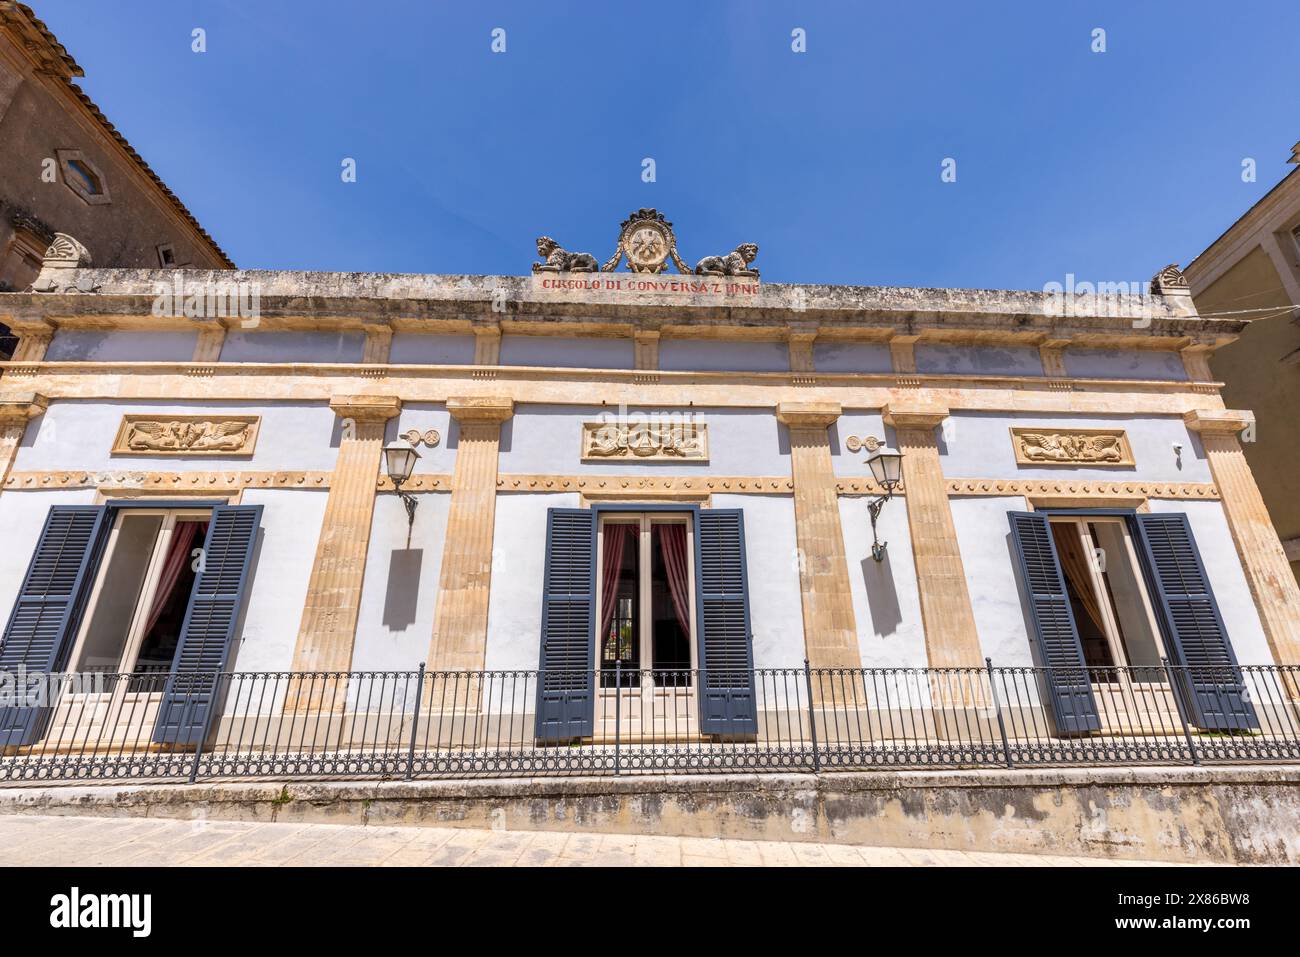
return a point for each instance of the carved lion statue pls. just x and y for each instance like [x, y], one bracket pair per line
[557, 259]
[735, 263]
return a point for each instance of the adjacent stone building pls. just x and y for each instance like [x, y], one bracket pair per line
[65, 168]
[660, 472]
[1252, 272]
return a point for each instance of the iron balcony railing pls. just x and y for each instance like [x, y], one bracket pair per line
[427, 724]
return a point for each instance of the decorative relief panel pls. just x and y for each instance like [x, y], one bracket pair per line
[646, 440]
[1071, 447]
[186, 435]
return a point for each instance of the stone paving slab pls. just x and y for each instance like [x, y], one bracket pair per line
[161, 842]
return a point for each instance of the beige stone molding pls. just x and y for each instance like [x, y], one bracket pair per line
[801, 350]
[187, 435]
[211, 339]
[164, 481]
[1051, 352]
[1091, 447]
[459, 639]
[1076, 487]
[950, 637]
[32, 346]
[1263, 559]
[830, 628]
[329, 619]
[15, 412]
[646, 440]
[766, 485]
[418, 483]
[902, 353]
[1196, 360]
[487, 344]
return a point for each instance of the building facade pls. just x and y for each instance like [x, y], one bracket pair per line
[644, 472]
[65, 168]
[1252, 272]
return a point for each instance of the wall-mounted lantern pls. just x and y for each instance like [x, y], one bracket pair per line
[399, 461]
[887, 469]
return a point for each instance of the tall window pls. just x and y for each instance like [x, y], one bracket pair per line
[646, 599]
[137, 604]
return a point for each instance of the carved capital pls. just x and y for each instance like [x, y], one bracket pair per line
[915, 414]
[809, 415]
[480, 408]
[1222, 421]
[372, 408]
[21, 407]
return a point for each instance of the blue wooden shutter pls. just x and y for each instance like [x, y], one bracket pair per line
[565, 687]
[208, 630]
[1209, 678]
[1068, 685]
[727, 701]
[37, 638]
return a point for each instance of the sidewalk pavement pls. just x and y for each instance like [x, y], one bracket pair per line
[125, 841]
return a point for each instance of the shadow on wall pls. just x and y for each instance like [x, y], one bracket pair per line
[403, 588]
[882, 596]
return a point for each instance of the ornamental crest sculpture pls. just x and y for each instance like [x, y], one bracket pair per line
[646, 440]
[647, 241]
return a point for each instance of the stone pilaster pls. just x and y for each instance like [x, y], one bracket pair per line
[15, 412]
[950, 637]
[902, 352]
[212, 336]
[329, 618]
[645, 349]
[1052, 354]
[460, 622]
[487, 344]
[800, 343]
[829, 627]
[379, 342]
[1263, 559]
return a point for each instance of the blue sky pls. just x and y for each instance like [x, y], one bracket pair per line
[1105, 165]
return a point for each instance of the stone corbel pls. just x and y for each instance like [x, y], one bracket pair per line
[1052, 354]
[645, 349]
[915, 416]
[212, 337]
[22, 406]
[487, 409]
[487, 343]
[1196, 360]
[902, 351]
[379, 342]
[809, 415]
[366, 408]
[1219, 421]
[800, 338]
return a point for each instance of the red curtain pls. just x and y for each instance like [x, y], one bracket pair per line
[178, 553]
[672, 545]
[616, 536]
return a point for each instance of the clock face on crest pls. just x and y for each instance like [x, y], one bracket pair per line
[647, 247]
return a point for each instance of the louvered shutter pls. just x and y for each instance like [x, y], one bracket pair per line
[565, 687]
[191, 692]
[38, 637]
[1211, 682]
[727, 701]
[1069, 689]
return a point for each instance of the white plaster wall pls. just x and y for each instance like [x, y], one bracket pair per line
[426, 348]
[992, 576]
[292, 346]
[22, 516]
[886, 606]
[78, 434]
[548, 439]
[944, 358]
[566, 352]
[424, 416]
[978, 445]
[860, 357]
[1219, 554]
[286, 550]
[121, 346]
[1123, 364]
[722, 355]
[399, 596]
[772, 561]
[518, 564]
[861, 424]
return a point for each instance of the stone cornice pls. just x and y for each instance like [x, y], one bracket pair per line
[1222, 421]
[22, 406]
[480, 408]
[809, 415]
[918, 414]
[366, 407]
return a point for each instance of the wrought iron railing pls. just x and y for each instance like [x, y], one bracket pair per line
[426, 724]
